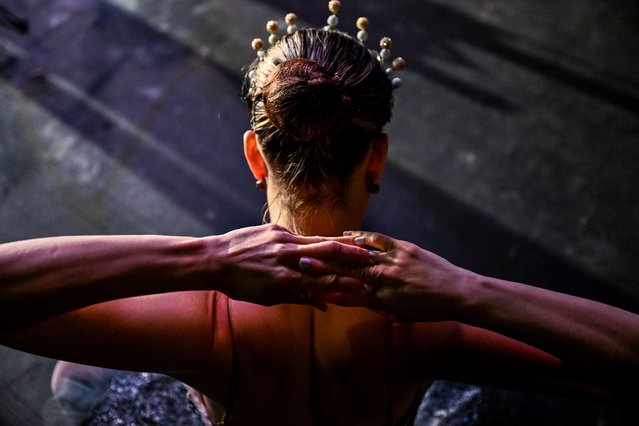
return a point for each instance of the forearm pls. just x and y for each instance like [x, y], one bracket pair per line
[43, 277]
[583, 333]
[569, 340]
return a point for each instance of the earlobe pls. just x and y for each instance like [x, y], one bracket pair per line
[254, 156]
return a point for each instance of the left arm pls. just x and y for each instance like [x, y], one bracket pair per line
[45, 277]
[144, 302]
[164, 332]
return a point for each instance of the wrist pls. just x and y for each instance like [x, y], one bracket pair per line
[469, 300]
[200, 262]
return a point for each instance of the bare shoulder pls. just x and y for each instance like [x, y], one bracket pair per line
[160, 332]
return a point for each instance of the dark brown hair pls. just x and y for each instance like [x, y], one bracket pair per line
[316, 99]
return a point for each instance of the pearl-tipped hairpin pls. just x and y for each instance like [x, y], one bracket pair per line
[334, 6]
[397, 64]
[385, 43]
[291, 21]
[258, 45]
[362, 26]
[272, 27]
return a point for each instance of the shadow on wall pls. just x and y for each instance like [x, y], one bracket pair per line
[433, 34]
[420, 212]
[10, 20]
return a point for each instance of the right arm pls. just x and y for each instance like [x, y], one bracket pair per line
[491, 331]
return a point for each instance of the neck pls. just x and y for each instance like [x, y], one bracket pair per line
[325, 220]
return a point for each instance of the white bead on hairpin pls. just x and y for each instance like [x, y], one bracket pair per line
[398, 64]
[362, 26]
[291, 20]
[334, 6]
[258, 45]
[272, 27]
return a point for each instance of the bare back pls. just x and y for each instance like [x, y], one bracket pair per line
[294, 364]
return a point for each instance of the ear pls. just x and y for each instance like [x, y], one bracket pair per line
[377, 158]
[254, 156]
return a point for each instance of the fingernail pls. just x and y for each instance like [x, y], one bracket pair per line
[360, 241]
[305, 263]
[347, 233]
[373, 255]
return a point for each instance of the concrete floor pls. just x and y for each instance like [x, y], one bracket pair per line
[514, 143]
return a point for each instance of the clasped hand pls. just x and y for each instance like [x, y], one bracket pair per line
[269, 265]
[261, 265]
[405, 282]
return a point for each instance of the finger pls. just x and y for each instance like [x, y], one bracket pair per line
[374, 239]
[336, 251]
[355, 240]
[333, 283]
[306, 239]
[319, 267]
[327, 270]
[343, 276]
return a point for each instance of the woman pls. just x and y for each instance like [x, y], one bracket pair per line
[227, 314]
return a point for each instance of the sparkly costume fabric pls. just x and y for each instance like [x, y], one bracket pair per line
[139, 399]
[455, 404]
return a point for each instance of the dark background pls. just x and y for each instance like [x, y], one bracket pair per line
[514, 142]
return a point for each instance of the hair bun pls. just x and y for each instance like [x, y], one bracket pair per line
[303, 101]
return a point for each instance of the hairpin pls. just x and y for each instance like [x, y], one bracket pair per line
[272, 27]
[397, 64]
[334, 6]
[291, 21]
[362, 26]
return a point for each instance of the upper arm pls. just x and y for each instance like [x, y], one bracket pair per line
[163, 332]
[462, 353]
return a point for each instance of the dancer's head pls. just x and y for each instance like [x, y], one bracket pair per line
[318, 100]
